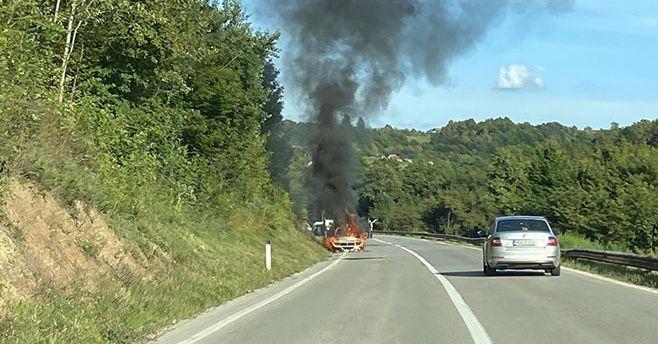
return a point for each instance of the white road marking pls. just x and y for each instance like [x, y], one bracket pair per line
[477, 331]
[607, 279]
[227, 321]
[584, 273]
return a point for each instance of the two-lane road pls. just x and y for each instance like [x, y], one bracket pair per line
[387, 295]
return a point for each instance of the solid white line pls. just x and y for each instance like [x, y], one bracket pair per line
[610, 280]
[477, 331]
[227, 321]
[584, 273]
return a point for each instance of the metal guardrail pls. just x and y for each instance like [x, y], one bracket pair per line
[619, 258]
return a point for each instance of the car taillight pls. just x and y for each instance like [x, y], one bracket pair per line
[552, 241]
[495, 242]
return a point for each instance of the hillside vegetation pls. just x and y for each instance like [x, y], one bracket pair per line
[133, 167]
[601, 186]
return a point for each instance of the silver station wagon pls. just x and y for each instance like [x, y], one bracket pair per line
[521, 242]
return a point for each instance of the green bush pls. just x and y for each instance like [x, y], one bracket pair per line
[159, 129]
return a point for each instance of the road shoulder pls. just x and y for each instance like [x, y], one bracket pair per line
[189, 327]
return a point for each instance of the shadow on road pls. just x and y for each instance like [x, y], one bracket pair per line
[479, 273]
[362, 258]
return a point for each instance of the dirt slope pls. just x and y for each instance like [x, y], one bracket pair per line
[43, 242]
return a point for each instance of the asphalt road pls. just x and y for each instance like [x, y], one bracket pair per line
[388, 295]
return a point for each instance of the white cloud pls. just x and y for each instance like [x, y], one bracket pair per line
[516, 77]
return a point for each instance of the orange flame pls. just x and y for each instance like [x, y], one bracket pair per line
[350, 229]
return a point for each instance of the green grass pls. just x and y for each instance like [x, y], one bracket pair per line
[89, 248]
[210, 265]
[621, 273]
[617, 272]
[207, 252]
[419, 138]
[574, 240]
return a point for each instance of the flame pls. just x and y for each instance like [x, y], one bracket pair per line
[351, 229]
[328, 243]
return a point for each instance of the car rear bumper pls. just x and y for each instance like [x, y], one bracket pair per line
[520, 265]
[506, 258]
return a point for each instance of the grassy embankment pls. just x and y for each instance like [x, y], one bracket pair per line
[69, 274]
[621, 273]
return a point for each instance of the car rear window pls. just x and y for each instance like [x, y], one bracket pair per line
[522, 225]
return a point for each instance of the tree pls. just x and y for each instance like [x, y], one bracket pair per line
[598, 184]
[361, 124]
[79, 14]
[347, 121]
[280, 150]
[274, 104]
[508, 183]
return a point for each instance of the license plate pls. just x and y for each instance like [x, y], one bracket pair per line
[523, 243]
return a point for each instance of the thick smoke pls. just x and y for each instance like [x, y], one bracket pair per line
[349, 56]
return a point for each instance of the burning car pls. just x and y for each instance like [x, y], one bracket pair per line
[347, 237]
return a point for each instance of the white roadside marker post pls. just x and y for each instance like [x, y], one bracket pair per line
[268, 255]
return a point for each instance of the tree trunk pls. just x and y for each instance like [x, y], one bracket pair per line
[67, 52]
[449, 231]
[71, 34]
[75, 77]
[56, 10]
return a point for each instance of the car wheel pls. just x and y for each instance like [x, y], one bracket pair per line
[555, 271]
[487, 270]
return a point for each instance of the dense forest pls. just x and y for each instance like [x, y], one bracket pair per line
[157, 114]
[598, 184]
[165, 93]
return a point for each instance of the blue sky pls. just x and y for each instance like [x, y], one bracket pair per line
[591, 66]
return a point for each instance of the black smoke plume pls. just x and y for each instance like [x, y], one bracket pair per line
[349, 56]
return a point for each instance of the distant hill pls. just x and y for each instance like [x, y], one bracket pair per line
[601, 184]
[457, 137]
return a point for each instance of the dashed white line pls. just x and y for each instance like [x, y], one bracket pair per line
[475, 328]
[227, 321]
